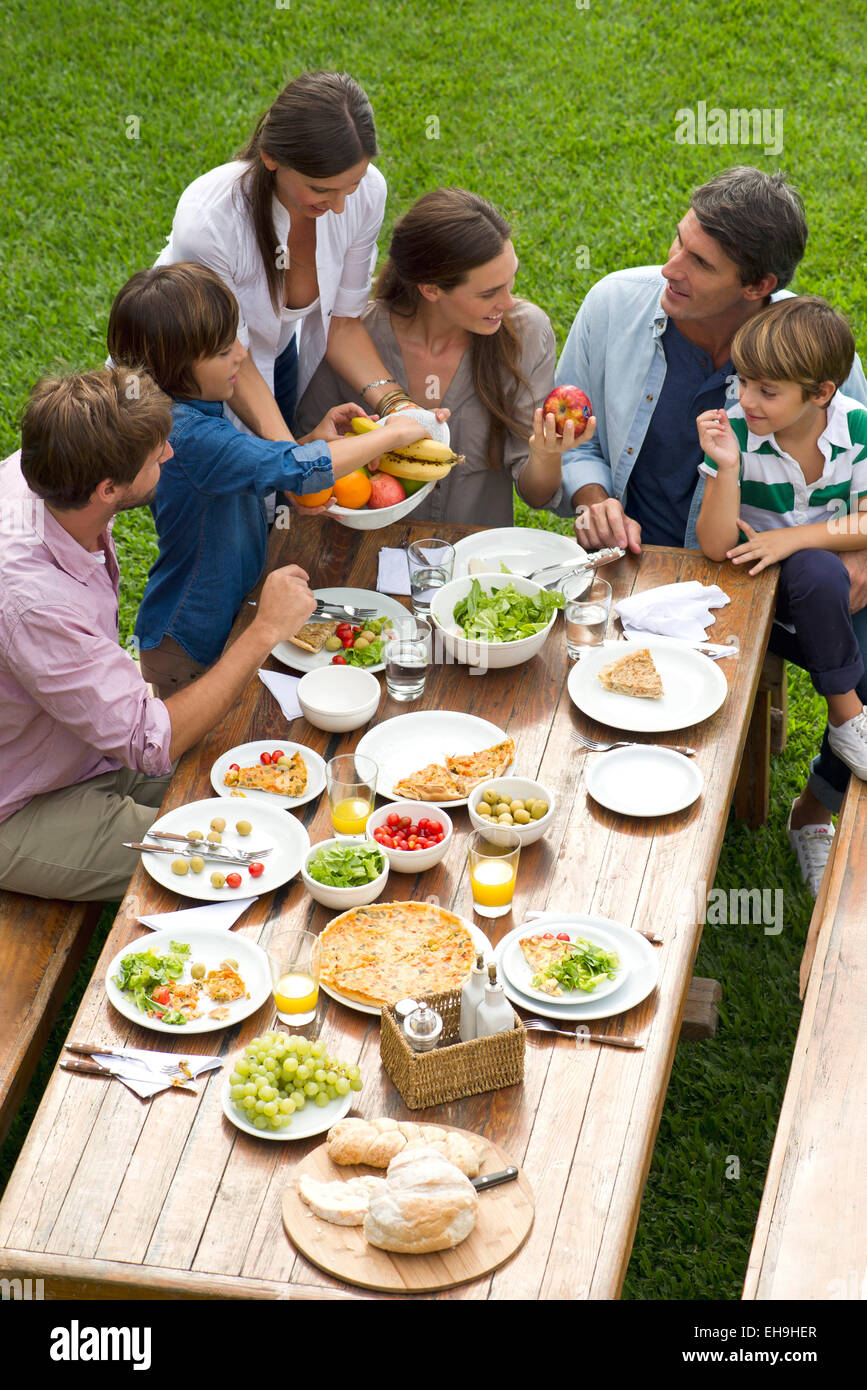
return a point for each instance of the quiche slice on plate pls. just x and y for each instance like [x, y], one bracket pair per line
[633, 674]
[470, 769]
[313, 636]
[288, 778]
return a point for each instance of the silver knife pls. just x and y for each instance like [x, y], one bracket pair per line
[215, 857]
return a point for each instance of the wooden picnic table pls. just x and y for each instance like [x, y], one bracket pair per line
[115, 1198]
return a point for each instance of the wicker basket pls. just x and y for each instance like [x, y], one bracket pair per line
[452, 1069]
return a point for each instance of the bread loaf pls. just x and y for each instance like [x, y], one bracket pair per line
[377, 1142]
[426, 1204]
[341, 1203]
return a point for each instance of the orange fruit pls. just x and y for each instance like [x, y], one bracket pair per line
[353, 490]
[313, 499]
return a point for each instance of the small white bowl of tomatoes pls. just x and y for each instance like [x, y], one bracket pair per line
[414, 837]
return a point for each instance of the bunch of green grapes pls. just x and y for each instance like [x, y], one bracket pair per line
[279, 1073]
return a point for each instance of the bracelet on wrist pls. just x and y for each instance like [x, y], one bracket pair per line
[383, 381]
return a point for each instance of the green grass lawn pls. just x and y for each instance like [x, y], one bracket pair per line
[565, 118]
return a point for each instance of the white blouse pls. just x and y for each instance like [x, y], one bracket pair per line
[212, 227]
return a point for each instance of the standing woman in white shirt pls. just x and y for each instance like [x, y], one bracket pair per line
[291, 228]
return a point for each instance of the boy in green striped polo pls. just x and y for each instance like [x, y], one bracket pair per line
[785, 468]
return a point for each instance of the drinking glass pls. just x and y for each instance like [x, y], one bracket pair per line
[351, 783]
[493, 870]
[431, 564]
[294, 957]
[407, 655]
[586, 613]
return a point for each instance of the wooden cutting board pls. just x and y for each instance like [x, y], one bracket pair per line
[504, 1221]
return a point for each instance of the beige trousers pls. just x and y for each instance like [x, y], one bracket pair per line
[168, 668]
[69, 843]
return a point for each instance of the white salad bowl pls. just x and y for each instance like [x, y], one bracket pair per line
[487, 655]
[345, 898]
[513, 789]
[412, 861]
[339, 698]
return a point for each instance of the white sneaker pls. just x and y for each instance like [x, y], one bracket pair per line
[812, 845]
[849, 742]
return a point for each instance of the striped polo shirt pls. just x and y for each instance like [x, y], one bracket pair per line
[774, 492]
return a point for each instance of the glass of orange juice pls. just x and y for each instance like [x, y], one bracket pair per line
[294, 957]
[493, 870]
[351, 782]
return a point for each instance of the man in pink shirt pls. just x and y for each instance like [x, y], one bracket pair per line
[86, 751]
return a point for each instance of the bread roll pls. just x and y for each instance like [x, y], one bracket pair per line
[376, 1142]
[426, 1204]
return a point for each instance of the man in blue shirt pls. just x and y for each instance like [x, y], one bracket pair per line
[651, 347]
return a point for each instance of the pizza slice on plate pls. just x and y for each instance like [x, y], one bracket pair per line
[288, 778]
[469, 769]
[634, 674]
[313, 636]
[432, 783]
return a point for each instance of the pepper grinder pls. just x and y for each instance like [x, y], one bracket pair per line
[422, 1028]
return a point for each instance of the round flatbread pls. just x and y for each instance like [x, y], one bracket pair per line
[388, 951]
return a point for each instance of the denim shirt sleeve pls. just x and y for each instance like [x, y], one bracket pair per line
[218, 460]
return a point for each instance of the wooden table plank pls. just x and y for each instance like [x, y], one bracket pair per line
[174, 1196]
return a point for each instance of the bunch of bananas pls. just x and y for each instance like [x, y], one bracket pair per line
[421, 462]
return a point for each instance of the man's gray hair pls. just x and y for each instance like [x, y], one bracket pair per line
[758, 220]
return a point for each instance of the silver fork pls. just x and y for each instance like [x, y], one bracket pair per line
[596, 745]
[351, 611]
[606, 1038]
[216, 850]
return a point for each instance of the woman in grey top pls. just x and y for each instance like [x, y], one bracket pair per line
[450, 332]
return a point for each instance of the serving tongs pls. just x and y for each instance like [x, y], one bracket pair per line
[212, 854]
[551, 575]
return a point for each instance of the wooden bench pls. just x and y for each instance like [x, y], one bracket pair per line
[766, 735]
[811, 1236]
[42, 943]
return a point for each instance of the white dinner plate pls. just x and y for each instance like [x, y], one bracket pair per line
[313, 1119]
[643, 781]
[636, 952]
[210, 947]
[247, 755]
[272, 827]
[694, 687]
[521, 549]
[518, 972]
[480, 943]
[385, 605]
[409, 742]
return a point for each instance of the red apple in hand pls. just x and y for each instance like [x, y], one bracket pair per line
[568, 403]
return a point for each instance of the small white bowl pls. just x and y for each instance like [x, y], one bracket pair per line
[373, 519]
[412, 861]
[513, 788]
[339, 698]
[344, 898]
[494, 655]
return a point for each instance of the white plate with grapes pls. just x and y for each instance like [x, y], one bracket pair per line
[279, 1122]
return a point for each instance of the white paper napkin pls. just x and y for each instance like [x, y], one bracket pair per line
[284, 689]
[393, 575]
[132, 1069]
[213, 916]
[680, 610]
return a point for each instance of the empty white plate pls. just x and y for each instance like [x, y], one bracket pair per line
[643, 781]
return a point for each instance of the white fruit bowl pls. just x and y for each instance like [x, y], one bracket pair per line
[491, 655]
[344, 898]
[512, 789]
[339, 698]
[412, 861]
[365, 519]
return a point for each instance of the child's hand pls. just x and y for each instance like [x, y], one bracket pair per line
[766, 547]
[400, 429]
[718, 439]
[337, 422]
[545, 438]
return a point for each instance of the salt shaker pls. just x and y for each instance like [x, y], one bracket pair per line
[422, 1028]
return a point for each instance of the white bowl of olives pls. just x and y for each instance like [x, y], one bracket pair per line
[516, 803]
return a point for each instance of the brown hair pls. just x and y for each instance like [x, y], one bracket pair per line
[320, 125]
[799, 339]
[79, 430]
[758, 220]
[165, 319]
[445, 235]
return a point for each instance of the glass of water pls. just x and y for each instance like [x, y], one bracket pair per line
[586, 613]
[407, 655]
[431, 564]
